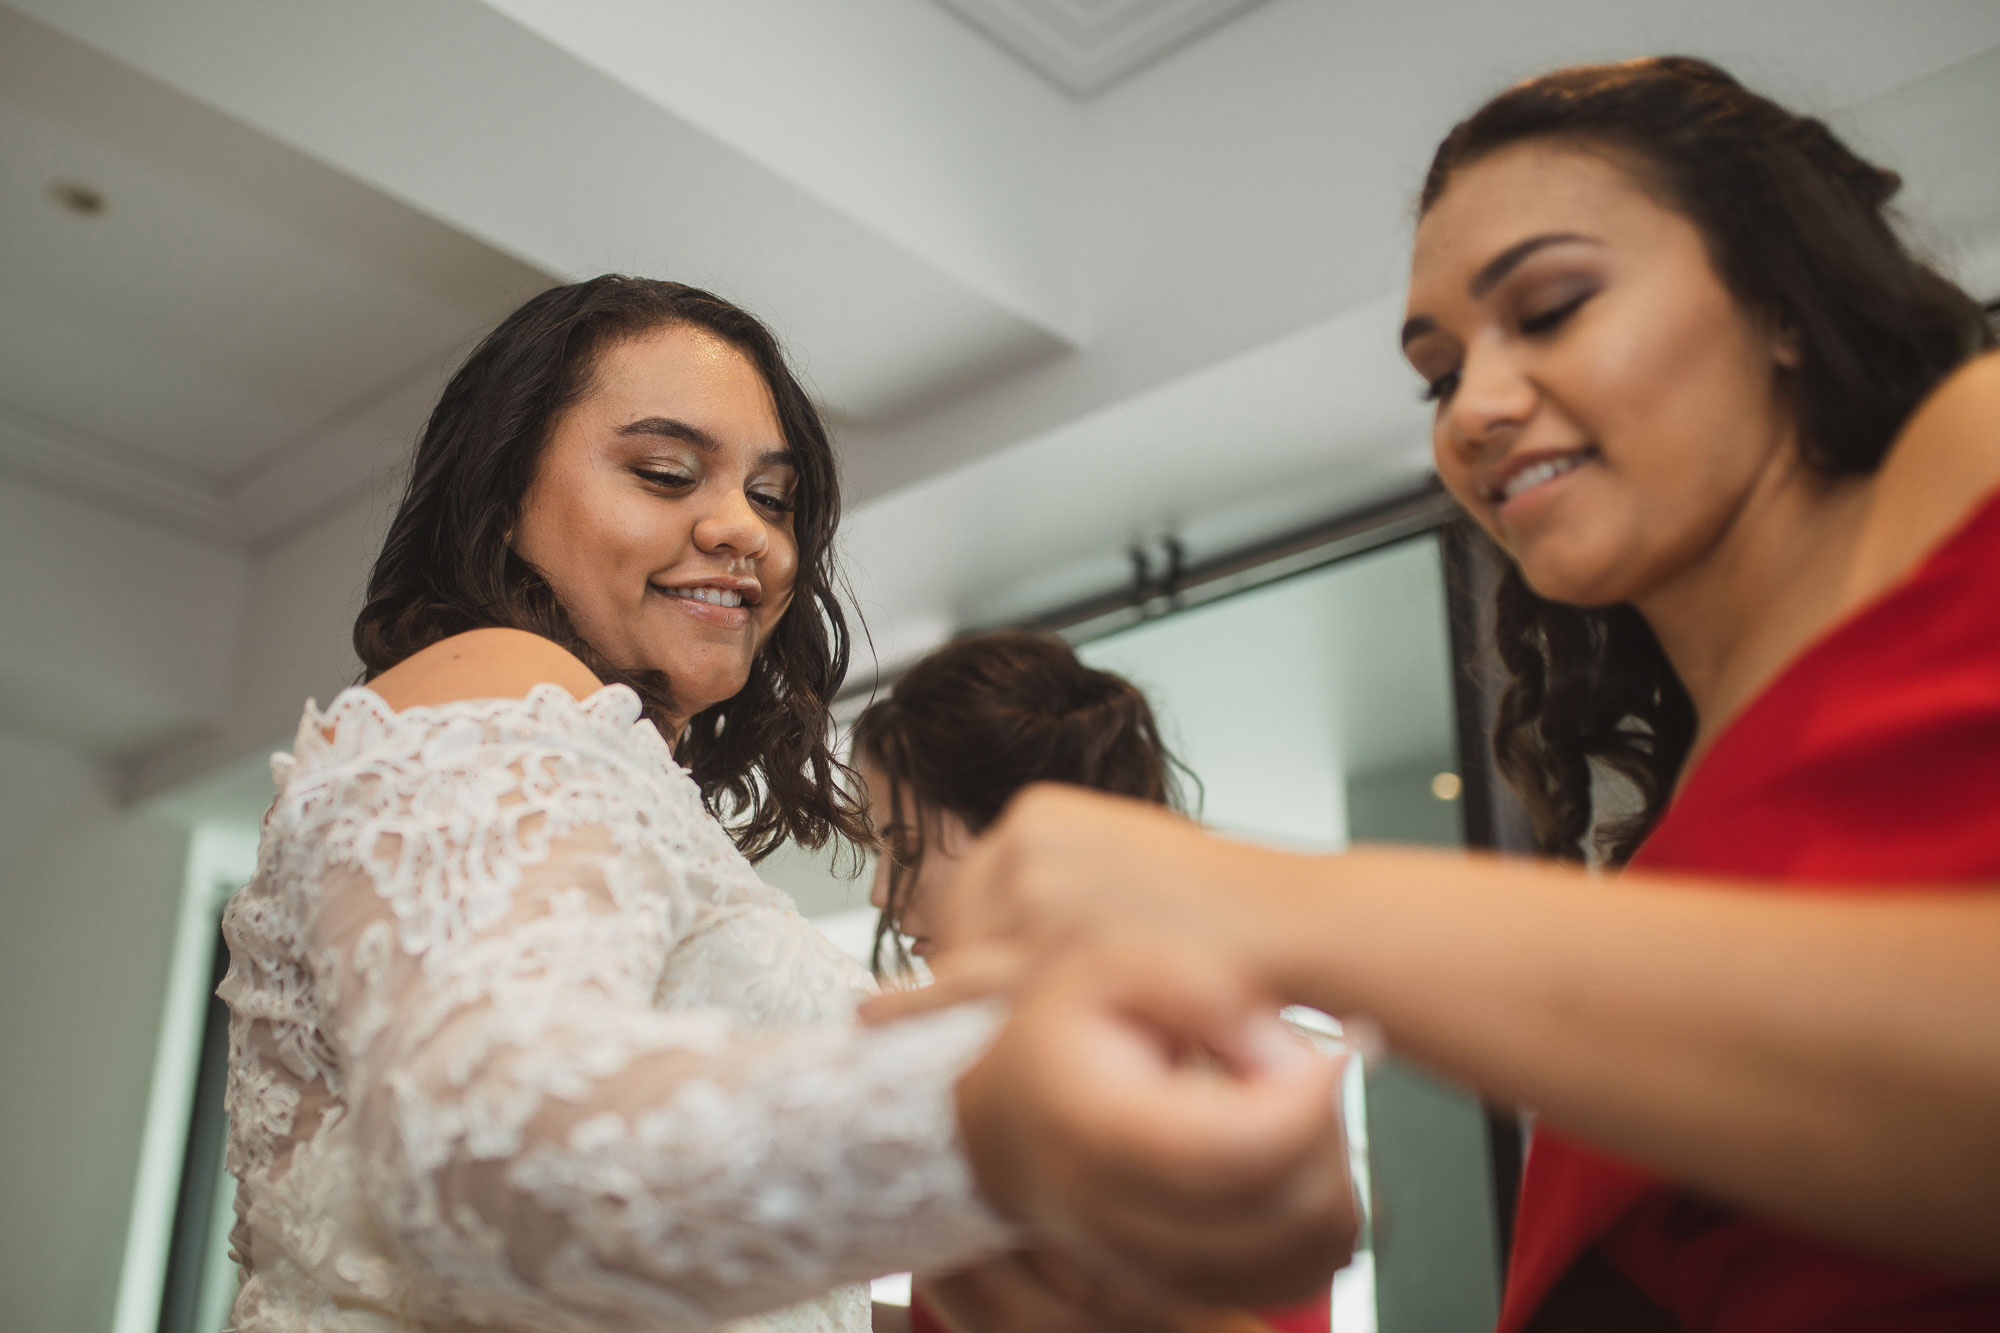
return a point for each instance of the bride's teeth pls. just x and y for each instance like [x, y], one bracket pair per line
[713, 596]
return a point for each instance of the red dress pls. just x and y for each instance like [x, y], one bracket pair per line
[1872, 761]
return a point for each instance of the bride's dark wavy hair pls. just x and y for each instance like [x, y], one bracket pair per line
[762, 759]
[1798, 229]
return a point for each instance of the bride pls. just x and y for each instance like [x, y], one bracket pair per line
[519, 1039]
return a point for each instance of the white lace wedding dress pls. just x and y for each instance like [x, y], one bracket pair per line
[520, 1041]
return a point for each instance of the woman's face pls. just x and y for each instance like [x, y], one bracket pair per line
[1604, 405]
[661, 512]
[946, 841]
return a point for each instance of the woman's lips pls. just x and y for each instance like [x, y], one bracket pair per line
[1527, 489]
[728, 617]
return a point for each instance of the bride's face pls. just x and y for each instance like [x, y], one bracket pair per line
[661, 512]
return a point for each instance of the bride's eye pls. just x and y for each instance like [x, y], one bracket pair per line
[673, 481]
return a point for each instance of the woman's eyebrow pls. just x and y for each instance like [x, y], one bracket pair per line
[672, 428]
[1498, 267]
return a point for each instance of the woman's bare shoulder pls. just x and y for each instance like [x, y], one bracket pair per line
[483, 664]
[1944, 465]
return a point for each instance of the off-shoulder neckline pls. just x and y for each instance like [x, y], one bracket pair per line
[359, 721]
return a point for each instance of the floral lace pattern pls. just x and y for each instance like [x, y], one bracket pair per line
[520, 1040]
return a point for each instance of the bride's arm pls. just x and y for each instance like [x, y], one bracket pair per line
[488, 896]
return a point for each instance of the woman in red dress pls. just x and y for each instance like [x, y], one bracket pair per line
[1742, 451]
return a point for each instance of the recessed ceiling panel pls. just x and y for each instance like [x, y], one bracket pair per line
[183, 288]
[1085, 46]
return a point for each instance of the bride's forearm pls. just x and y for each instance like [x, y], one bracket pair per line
[1830, 1059]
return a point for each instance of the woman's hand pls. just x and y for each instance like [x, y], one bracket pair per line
[1145, 1110]
[1064, 866]
[1039, 1291]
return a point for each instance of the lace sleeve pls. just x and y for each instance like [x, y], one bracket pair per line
[488, 908]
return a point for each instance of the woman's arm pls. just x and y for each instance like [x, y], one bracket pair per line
[486, 895]
[1831, 1060]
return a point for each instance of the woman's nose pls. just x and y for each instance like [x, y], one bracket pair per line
[732, 525]
[1493, 401]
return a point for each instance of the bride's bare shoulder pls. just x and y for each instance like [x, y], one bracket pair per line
[482, 664]
[1944, 465]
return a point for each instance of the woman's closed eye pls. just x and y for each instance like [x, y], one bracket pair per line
[1441, 388]
[1550, 318]
[673, 481]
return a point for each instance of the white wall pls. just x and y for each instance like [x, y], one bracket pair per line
[118, 631]
[296, 642]
[90, 894]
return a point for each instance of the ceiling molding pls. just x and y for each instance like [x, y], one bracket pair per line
[115, 478]
[1085, 46]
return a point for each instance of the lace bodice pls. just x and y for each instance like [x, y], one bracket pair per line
[520, 1041]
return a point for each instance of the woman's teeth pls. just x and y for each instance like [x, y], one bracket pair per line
[1546, 470]
[713, 596]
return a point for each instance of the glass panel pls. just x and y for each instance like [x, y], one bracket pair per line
[1317, 711]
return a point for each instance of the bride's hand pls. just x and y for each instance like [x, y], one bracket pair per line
[1145, 1109]
[1063, 866]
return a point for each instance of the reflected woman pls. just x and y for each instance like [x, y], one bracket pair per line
[1742, 453]
[958, 736]
[962, 732]
[519, 1039]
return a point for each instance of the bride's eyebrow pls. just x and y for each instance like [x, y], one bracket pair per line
[672, 428]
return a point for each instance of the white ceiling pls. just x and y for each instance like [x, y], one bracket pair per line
[235, 299]
[1047, 325]
[1085, 46]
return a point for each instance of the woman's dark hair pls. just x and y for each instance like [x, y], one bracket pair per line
[968, 727]
[762, 759]
[1798, 229]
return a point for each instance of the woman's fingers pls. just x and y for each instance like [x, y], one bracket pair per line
[993, 968]
[1143, 1105]
[1039, 1291]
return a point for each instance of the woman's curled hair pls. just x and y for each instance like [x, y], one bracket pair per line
[966, 728]
[1798, 229]
[762, 759]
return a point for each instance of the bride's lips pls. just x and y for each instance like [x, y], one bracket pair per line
[729, 617]
[920, 946]
[746, 592]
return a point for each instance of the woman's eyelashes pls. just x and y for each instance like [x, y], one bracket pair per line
[1441, 388]
[779, 502]
[672, 481]
[1549, 318]
[1539, 324]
